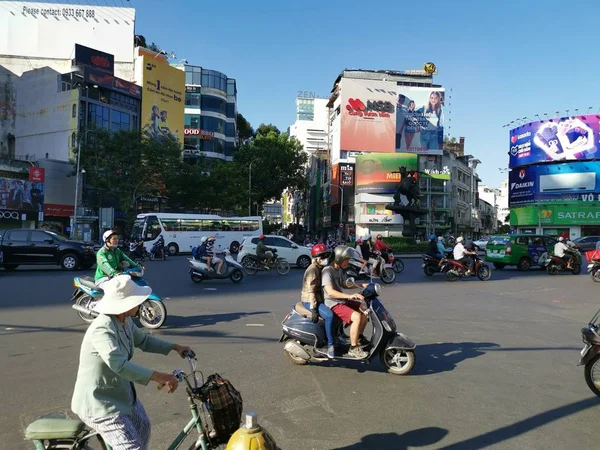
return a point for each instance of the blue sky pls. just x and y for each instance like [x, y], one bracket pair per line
[502, 60]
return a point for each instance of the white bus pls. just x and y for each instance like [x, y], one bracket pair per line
[182, 232]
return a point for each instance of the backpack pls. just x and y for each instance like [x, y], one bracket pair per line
[224, 404]
[199, 251]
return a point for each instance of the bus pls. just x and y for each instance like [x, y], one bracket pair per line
[182, 232]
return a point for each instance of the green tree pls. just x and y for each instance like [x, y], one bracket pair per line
[125, 166]
[139, 41]
[244, 129]
[264, 129]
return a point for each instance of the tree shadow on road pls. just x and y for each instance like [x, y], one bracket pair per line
[445, 356]
[394, 441]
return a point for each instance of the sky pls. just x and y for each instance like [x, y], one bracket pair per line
[498, 60]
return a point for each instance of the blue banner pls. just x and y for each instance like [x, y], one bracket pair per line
[574, 182]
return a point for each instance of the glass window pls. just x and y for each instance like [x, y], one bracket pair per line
[231, 87]
[191, 225]
[188, 77]
[73, 140]
[74, 110]
[205, 79]
[230, 129]
[39, 237]
[250, 225]
[170, 224]
[280, 242]
[214, 104]
[196, 79]
[192, 121]
[191, 142]
[523, 240]
[152, 228]
[120, 121]
[212, 124]
[192, 100]
[230, 110]
[232, 225]
[17, 235]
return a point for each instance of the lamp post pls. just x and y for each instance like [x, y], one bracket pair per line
[341, 200]
[77, 183]
[250, 187]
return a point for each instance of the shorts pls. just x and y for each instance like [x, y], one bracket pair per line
[344, 311]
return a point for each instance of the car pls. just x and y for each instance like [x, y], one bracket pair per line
[292, 252]
[587, 243]
[481, 243]
[521, 250]
[41, 247]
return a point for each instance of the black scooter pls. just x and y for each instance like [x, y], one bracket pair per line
[305, 341]
[590, 355]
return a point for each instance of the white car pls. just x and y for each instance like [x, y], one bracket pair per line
[292, 252]
[481, 243]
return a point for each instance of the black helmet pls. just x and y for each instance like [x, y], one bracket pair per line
[341, 253]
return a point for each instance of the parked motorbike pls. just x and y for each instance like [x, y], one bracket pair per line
[381, 270]
[453, 269]
[231, 269]
[397, 263]
[555, 264]
[305, 341]
[253, 264]
[594, 270]
[152, 313]
[590, 355]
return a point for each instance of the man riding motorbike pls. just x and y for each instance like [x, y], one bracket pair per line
[463, 256]
[380, 246]
[344, 305]
[359, 256]
[560, 250]
[312, 293]
[263, 252]
[110, 259]
[432, 249]
[210, 254]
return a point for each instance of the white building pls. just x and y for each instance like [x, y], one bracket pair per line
[503, 209]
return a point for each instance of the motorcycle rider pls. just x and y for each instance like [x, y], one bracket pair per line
[432, 248]
[359, 257]
[210, 254]
[312, 293]
[380, 246]
[441, 248]
[343, 305]
[263, 252]
[561, 250]
[463, 256]
[110, 259]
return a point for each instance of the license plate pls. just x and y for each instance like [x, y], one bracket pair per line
[585, 350]
[423, 266]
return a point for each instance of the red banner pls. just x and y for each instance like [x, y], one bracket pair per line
[36, 174]
[58, 210]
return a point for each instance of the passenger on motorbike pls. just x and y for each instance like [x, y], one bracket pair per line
[110, 259]
[347, 307]
[432, 248]
[464, 256]
[441, 249]
[359, 257]
[263, 252]
[312, 293]
[210, 254]
[561, 250]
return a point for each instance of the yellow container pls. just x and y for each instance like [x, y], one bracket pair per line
[251, 437]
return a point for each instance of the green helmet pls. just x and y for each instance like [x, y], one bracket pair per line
[341, 253]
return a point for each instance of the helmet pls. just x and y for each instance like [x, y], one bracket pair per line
[561, 239]
[341, 253]
[261, 237]
[459, 239]
[359, 241]
[441, 238]
[211, 238]
[432, 237]
[379, 236]
[107, 234]
[320, 251]
[203, 239]
[367, 237]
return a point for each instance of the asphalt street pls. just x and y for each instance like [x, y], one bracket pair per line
[496, 361]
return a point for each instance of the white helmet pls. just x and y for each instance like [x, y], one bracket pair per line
[441, 239]
[367, 237]
[107, 234]
[460, 239]
[560, 239]
[203, 239]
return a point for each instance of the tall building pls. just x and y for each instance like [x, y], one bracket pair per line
[210, 114]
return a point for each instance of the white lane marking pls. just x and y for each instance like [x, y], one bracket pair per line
[255, 324]
[210, 289]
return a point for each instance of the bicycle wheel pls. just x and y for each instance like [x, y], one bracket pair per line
[282, 267]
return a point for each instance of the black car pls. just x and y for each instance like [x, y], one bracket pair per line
[587, 243]
[41, 247]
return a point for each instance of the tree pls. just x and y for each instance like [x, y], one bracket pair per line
[139, 41]
[450, 140]
[244, 129]
[154, 48]
[264, 129]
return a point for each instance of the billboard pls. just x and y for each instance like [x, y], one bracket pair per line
[341, 175]
[564, 139]
[20, 195]
[368, 111]
[576, 182]
[163, 94]
[85, 56]
[378, 173]
[95, 76]
[51, 30]
[556, 214]
[420, 120]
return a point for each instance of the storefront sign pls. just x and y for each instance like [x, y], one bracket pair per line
[85, 56]
[436, 174]
[202, 134]
[9, 215]
[58, 210]
[383, 219]
[36, 174]
[108, 81]
[556, 214]
[347, 174]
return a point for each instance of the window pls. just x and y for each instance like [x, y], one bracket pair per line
[250, 225]
[212, 124]
[73, 140]
[231, 88]
[192, 100]
[98, 115]
[232, 225]
[230, 129]
[120, 121]
[74, 110]
[214, 104]
[190, 225]
[214, 80]
[230, 110]
[279, 242]
[523, 240]
[18, 235]
[39, 237]
[192, 121]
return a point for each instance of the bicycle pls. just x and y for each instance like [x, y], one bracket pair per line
[53, 434]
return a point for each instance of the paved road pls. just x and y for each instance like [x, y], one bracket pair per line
[496, 362]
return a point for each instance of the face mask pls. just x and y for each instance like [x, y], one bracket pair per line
[322, 261]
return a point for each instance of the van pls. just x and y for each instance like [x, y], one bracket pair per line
[521, 250]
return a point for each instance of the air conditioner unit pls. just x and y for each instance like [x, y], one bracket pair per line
[567, 182]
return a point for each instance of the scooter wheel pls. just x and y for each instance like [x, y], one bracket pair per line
[428, 270]
[589, 378]
[85, 301]
[294, 359]
[576, 269]
[397, 361]
[236, 276]
[450, 276]
[595, 274]
[152, 314]
[552, 269]
[388, 275]
[151, 256]
[196, 278]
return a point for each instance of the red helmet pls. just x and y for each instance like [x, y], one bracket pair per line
[261, 237]
[319, 250]
[379, 236]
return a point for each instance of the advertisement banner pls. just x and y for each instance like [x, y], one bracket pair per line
[567, 138]
[21, 195]
[85, 56]
[379, 173]
[346, 174]
[575, 182]
[420, 120]
[436, 174]
[556, 214]
[341, 175]
[162, 100]
[94, 76]
[368, 121]
[37, 174]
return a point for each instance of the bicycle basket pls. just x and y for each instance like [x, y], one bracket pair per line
[224, 404]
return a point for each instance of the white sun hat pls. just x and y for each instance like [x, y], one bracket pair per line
[121, 294]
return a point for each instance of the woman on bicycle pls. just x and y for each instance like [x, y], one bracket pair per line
[104, 396]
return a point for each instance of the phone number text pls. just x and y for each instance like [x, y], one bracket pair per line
[65, 12]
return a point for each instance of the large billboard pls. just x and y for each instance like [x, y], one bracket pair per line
[564, 139]
[420, 120]
[576, 182]
[17, 195]
[556, 214]
[51, 30]
[163, 94]
[379, 173]
[368, 111]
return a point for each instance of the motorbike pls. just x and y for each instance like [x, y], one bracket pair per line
[397, 263]
[137, 251]
[381, 270]
[555, 264]
[305, 341]
[590, 355]
[453, 269]
[158, 251]
[231, 269]
[152, 313]
[594, 269]
[432, 265]
[253, 264]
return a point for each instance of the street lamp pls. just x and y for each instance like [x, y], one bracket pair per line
[77, 183]
[250, 187]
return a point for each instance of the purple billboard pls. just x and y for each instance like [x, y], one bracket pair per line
[564, 139]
